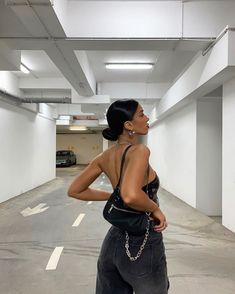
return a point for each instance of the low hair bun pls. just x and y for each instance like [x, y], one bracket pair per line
[118, 113]
[110, 134]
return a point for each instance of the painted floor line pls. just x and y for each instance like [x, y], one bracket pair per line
[89, 202]
[78, 220]
[54, 259]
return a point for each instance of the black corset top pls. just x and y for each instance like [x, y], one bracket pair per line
[152, 189]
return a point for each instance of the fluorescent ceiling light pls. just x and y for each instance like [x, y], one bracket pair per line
[129, 65]
[77, 128]
[24, 69]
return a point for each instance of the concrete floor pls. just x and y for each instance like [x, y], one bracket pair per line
[200, 252]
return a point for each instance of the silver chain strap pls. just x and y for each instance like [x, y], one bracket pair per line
[134, 258]
[127, 246]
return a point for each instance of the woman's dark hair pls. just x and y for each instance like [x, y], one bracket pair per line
[118, 113]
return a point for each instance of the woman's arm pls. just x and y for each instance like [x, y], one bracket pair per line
[79, 188]
[132, 182]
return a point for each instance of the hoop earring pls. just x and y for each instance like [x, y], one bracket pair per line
[131, 133]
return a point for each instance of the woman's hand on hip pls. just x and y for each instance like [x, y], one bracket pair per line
[158, 216]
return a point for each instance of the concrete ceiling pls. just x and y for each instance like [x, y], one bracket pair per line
[46, 50]
[167, 65]
[40, 65]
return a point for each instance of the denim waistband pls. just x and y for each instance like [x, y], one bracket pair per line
[120, 234]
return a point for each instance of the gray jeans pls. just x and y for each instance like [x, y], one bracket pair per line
[116, 274]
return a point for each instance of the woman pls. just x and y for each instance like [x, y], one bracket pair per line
[117, 273]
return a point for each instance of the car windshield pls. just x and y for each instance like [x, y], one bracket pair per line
[62, 153]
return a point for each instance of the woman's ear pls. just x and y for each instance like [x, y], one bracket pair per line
[128, 125]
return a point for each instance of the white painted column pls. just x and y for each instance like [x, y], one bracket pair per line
[105, 144]
[209, 156]
[228, 179]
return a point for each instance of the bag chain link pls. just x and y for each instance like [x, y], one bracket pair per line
[134, 258]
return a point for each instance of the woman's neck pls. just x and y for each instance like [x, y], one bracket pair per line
[124, 140]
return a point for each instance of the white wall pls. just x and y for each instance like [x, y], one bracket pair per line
[187, 154]
[27, 150]
[209, 156]
[228, 204]
[85, 146]
[172, 142]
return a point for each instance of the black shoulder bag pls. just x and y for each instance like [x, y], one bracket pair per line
[131, 221]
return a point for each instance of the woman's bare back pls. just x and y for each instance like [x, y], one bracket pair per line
[110, 163]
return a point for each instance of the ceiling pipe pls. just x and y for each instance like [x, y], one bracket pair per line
[27, 3]
[108, 39]
[12, 97]
[20, 100]
[64, 100]
[16, 101]
[227, 28]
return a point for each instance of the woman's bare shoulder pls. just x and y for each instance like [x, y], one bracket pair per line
[140, 149]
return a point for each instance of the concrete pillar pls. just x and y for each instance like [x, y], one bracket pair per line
[209, 156]
[228, 179]
[105, 144]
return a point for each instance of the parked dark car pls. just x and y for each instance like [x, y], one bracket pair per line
[65, 158]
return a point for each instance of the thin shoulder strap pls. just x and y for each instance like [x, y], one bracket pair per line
[122, 163]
